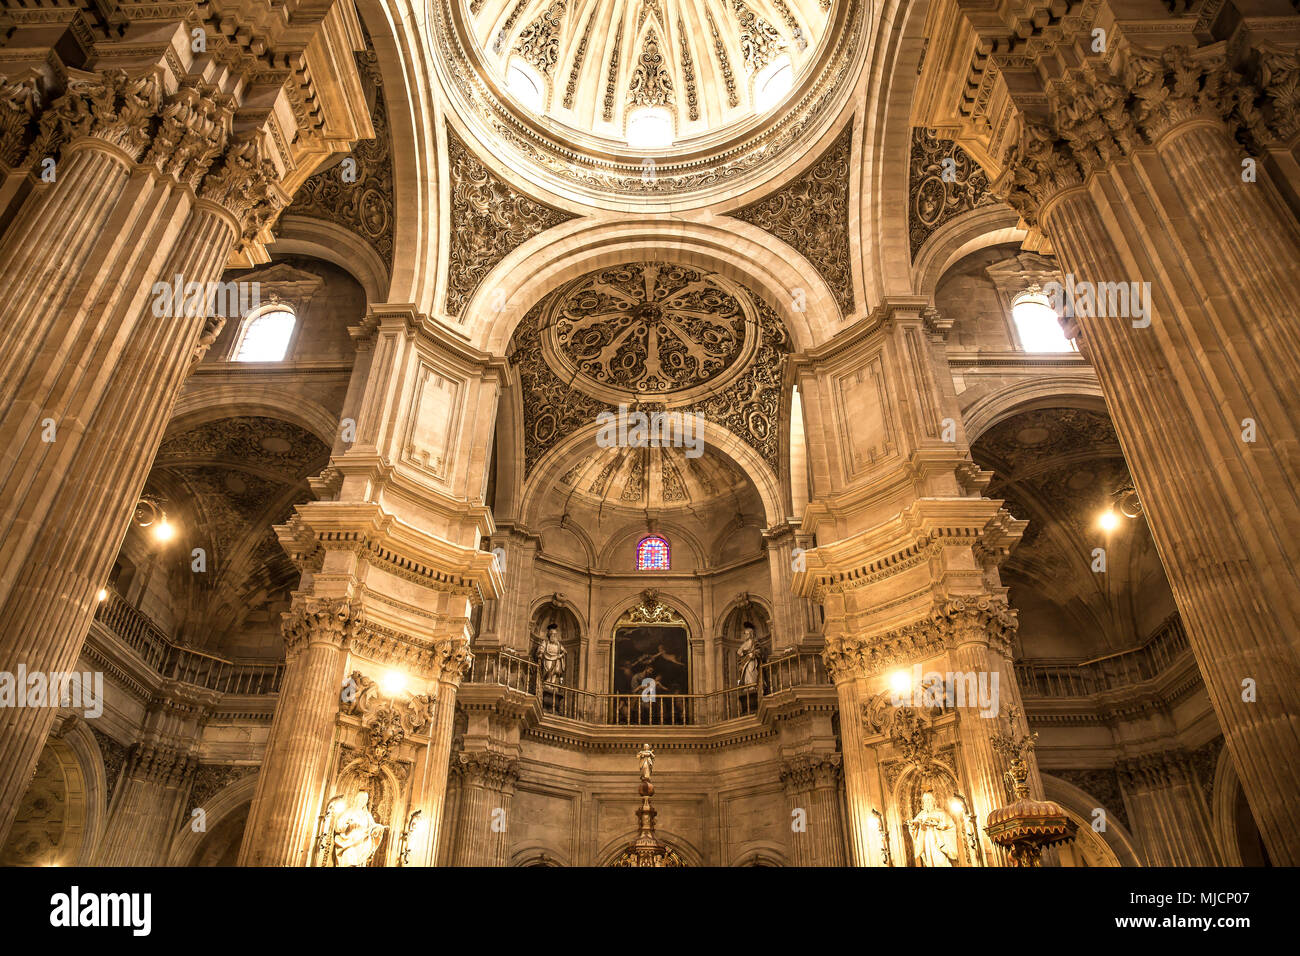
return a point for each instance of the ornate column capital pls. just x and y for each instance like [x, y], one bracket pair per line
[332, 620]
[488, 769]
[985, 619]
[160, 763]
[811, 772]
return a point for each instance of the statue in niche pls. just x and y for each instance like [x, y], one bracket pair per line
[934, 836]
[747, 657]
[356, 834]
[551, 656]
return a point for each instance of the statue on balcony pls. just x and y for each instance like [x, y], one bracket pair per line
[747, 657]
[934, 841]
[551, 656]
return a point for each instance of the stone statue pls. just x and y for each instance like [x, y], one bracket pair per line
[647, 758]
[356, 834]
[747, 657]
[551, 656]
[934, 841]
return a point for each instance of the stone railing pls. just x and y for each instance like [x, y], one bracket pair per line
[1162, 650]
[173, 662]
[507, 669]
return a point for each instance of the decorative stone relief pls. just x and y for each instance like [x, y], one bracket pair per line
[811, 214]
[943, 183]
[650, 84]
[363, 205]
[491, 221]
[539, 42]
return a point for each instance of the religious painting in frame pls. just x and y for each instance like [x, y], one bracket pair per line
[651, 642]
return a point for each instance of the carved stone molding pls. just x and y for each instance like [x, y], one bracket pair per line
[211, 779]
[985, 620]
[490, 220]
[1154, 771]
[811, 214]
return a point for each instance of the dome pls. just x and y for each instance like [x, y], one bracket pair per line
[600, 68]
[657, 100]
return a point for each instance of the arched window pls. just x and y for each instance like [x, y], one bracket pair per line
[265, 335]
[526, 85]
[650, 128]
[1037, 323]
[652, 553]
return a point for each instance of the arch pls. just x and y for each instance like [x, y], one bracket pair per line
[303, 235]
[535, 507]
[1223, 809]
[204, 403]
[575, 529]
[397, 30]
[760, 853]
[1064, 390]
[228, 801]
[729, 247]
[1080, 805]
[956, 239]
[689, 852]
[680, 538]
[537, 853]
[53, 825]
[605, 628]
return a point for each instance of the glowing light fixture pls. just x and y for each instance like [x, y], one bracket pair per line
[102, 595]
[900, 682]
[1108, 521]
[1037, 323]
[164, 530]
[393, 683]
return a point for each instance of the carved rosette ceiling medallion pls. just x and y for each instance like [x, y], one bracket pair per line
[660, 335]
[811, 214]
[593, 63]
[490, 220]
[943, 183]
[361, 201]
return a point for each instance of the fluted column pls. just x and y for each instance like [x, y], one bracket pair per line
[164, 166]
[281, 824]
[147, 806]
[812, 784]
[1168, 811]
[483, 818]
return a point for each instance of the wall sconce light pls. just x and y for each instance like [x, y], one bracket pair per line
[878, 824]
[149, 513]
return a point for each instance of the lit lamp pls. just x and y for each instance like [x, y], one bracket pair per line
[1026, 827]
[961, 809]
[393, 683]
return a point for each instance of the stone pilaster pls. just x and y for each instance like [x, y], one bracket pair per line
[160, 164]
[813, 784]
[280, 827]
[1159, 161]
[487, 783]
[147, 806]
[1166, 805]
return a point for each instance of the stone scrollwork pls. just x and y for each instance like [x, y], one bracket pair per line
[651, 610]
[944, 182]
[811, 214]
[491, 220]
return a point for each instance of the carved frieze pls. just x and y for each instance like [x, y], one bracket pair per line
[811, 214]
[943, 183]
[491, 220]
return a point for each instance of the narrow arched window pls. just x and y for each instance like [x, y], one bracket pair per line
[265, 335]
[652, 553]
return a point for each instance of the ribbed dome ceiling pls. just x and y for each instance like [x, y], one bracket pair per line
[657, 477]
[709, 63]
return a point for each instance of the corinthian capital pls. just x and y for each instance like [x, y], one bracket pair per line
[453, 659]
[335, 620]
[112, 106]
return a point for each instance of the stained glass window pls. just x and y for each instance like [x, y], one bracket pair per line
[652, 554]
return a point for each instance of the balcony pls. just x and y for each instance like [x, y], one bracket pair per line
[170, 661]
[506, 669]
